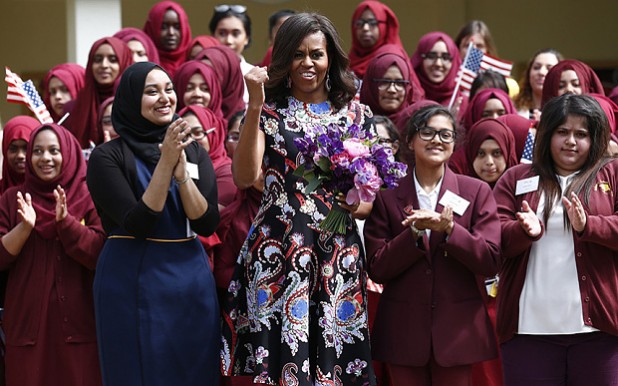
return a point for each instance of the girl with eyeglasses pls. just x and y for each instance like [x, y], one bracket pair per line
[426, 241]
[168, 27]
[436, 62]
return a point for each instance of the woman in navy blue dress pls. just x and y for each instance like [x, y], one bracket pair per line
[154, 188]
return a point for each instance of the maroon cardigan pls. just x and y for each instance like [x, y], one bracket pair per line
[595, 250]
[431, 300]
[65, 264]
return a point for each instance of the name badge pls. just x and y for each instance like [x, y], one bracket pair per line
[193, 171]
[527, 185]
[458, 204]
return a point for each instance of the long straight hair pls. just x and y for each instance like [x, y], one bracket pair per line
[555, 114]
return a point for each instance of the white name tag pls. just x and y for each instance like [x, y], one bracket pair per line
[193, 171]
[527, 185]
[458, 204]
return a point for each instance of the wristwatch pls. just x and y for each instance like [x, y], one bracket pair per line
[417, 232]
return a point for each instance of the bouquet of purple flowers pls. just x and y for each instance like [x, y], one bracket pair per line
[346, 160]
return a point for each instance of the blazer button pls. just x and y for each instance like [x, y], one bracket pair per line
[433, 305]
[586, 299]
[428, 271]
[66, 319]
[579, 254]
[589, 320]
[583, 277]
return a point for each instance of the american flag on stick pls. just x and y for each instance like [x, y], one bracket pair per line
[474, 62]
[25, 93]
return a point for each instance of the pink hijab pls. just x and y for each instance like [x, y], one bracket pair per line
[520, 127]
[389, 34]
[181, 80]
[609, 108]
[130, 33]
[72, 75]
[170, 60]
[439, 92]
[203, 41]
[216, 138]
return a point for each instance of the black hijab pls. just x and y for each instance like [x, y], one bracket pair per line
[142, 136]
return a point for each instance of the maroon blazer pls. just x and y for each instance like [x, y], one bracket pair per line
[431, 300]
[595, 250]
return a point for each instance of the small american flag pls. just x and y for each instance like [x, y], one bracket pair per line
[475, 61]
[25, 93]
[526, 156]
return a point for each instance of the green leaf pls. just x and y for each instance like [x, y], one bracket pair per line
[300, 170]
[312, 185]
[324, 164]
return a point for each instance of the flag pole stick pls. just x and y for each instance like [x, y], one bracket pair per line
[64, 117]
[450, 104]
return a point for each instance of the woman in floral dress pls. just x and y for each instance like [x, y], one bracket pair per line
[295, 311]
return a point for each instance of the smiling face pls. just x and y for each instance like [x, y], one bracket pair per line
[105, 66]
[539, 69]
[159, 98]
[489, 163]
[231, 32]
[392, 97]
[16, 155]
[367, 29]
[309, 68]
[435, 152]
[170, 31]
[46, 155]
[437, 69]
[197, 92]
[570, 145]
[59, 95]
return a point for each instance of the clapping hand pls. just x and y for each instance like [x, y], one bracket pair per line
[576, 212]
[61, 203]
[429, 219]
[528, 220]
[25, 210]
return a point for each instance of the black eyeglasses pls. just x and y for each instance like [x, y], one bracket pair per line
[429, 133]
[385, 84]
[360, 23]
[434, 56]
[234, 8]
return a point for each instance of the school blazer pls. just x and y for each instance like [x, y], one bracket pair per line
[431, 300]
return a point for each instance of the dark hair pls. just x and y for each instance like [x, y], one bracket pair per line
[295, 29]
[391, 130]
[488, 79]
[555, 113]
[423, 115]
[477, 27]
[524, 99]
[237, 116]
[243, 17]
[275, 17]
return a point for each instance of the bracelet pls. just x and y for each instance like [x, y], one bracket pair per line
[183, 181]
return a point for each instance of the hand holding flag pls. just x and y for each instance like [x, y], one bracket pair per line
[25, 93]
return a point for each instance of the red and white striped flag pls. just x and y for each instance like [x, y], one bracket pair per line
[25, 93]
[475, 61]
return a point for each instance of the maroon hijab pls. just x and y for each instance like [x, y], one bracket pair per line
[520, 127]
[130, 33]
[72, 178]
[19, 127]
[181, 80]
[83, 119]
[389, 34]
[227, 66]
[72, 75]
[203, 41]
[475, 108]
[588, 80]
[489, 128]
[369, 93]
[439, 92]
[613, 95]
[404, 116]
[216, 138]
[609, 108]
[170, 60]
